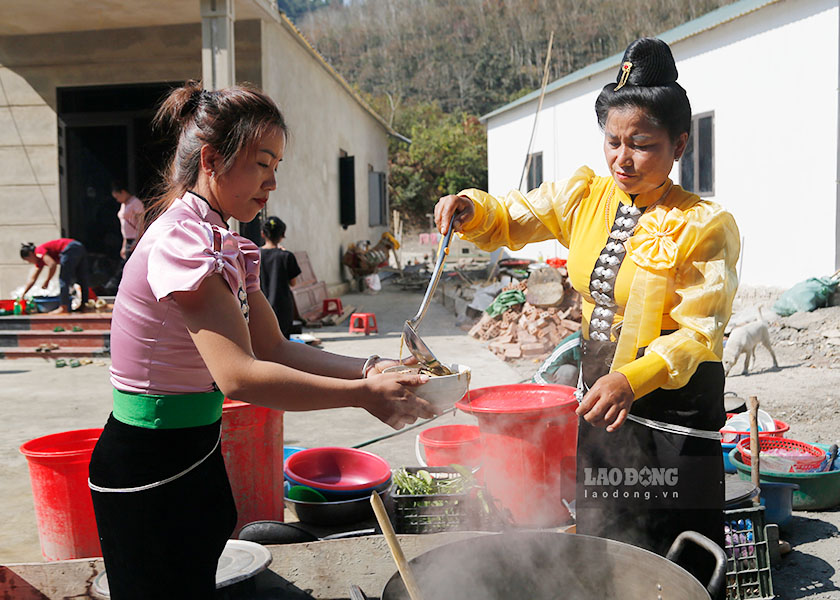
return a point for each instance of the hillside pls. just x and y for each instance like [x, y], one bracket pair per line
[431, 67]
[475, 55]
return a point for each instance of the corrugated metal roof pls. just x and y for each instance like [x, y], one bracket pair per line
[717, 17]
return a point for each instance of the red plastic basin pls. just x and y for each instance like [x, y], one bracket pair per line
[337, 469]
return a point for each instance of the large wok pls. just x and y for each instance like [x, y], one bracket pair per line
[544, 565]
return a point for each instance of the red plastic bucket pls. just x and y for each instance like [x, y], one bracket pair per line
[452, 444]
[529, 445]
[252, 445]
[58, 471]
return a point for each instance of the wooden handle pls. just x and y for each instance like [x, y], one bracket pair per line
[394, 545]
[755, 447]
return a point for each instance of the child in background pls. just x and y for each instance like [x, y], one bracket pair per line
[278, 270]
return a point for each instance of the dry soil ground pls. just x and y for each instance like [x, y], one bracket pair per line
[804, 391]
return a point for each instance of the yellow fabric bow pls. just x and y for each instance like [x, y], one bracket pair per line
[653, 246]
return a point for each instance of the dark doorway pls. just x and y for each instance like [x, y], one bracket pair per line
[105, 134]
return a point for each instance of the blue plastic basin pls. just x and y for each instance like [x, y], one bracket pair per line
[47, 303]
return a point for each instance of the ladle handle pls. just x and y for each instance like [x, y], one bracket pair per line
[436, 273]
[394, 545]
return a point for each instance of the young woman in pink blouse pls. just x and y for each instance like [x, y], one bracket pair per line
[190, 326]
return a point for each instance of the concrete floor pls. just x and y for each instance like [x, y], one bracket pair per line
[40, 399]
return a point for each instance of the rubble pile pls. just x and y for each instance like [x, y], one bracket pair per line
[528, 331]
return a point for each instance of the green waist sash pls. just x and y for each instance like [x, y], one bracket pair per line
[168, 411]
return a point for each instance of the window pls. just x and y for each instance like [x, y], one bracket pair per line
[535, 171]
[697, 165]
[377, 198]
[346, 190]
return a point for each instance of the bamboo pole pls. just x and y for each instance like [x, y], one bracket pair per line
[539, 108]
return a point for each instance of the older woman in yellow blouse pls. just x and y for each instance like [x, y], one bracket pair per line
[655, 266]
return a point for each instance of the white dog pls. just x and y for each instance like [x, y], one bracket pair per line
[743, 340]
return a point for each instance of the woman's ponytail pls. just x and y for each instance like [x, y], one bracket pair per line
[179, 107]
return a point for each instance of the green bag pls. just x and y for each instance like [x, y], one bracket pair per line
[805, 296]
[504, 301]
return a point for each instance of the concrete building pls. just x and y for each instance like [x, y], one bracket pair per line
[762, 77]
[79, 81]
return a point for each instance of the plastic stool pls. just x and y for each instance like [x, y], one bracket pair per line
[332, 306]
[363, 323]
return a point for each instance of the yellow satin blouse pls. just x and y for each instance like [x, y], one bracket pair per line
[679, 272]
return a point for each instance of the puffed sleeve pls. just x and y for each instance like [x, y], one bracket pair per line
[184, 256]
[706, 281]
[544, 213]
[251, 261]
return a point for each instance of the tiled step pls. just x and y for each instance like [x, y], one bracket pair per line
[75, 352]
[87, 321]
[65, 339]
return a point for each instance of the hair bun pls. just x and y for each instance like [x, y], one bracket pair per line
[653, 63]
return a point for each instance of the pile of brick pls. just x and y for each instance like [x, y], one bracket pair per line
[527, 331]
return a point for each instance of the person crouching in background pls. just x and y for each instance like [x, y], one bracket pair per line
[71, 255]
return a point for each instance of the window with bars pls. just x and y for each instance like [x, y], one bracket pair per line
[535, 171]
[697, 165]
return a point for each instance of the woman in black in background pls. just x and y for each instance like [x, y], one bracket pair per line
[278, 269]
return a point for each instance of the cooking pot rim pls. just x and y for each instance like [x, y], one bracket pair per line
[394, 584]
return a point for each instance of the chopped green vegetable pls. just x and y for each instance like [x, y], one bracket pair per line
[423, 483]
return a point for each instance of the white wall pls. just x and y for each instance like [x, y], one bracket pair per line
[323, 119]
[771, 78]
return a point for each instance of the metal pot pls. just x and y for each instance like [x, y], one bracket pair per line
[544, 565]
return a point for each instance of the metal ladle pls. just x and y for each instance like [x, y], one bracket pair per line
[417, 346]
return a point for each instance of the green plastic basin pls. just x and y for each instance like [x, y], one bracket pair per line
[817, 491]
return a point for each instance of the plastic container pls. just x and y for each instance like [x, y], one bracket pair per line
[817, 490]
[779, 430]
[728, 467]
[289, 450]
[252, 446]
[777, 499]
[747, 554]
[336, 471]
[434, 513]
[47, 303]
[528, 438]
[58, 471]
[804, 457]
[451, 445]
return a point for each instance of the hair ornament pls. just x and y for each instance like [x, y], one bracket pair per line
[625, 74]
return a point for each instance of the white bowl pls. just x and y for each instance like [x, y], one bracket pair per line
[441, 391]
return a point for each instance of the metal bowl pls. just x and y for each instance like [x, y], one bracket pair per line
[341, 512]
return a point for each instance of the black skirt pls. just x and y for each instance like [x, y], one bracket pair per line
[164, 542]
[643, 486]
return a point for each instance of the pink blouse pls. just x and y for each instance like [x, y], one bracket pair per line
[151, 350]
